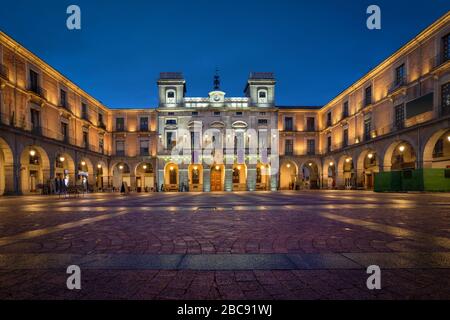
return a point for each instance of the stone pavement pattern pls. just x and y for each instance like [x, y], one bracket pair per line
[408, 235]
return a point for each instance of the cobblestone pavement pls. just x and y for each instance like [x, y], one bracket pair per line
[279, 245]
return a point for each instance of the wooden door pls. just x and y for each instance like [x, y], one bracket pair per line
[216, 180]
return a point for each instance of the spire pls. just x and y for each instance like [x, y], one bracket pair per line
[217, 80]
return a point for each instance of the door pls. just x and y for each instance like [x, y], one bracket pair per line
[33, 181]
[216, 180]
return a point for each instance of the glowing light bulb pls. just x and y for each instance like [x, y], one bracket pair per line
[217, 167]
[121, 167]
[401, 148]
[370, 155]
[195, 168]
[347, 160]
[310, 164]
[83, 163]
[448, 138]
[61, 159]
[288, 165]
[144, 166]
[99, 166]
[331, 164]
[32, 153]
[239, 167]
[171, 168]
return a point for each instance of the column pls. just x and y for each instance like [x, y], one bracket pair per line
[251, 177]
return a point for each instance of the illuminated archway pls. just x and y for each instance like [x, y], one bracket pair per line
[145, 177]
[171, 177]
[330, 173]
[239, 177]
[34, 170]
[347, 172]
[195, 177]
[6, 168]
[121, 174]
[64, 171]
[436, 153]
[262, 176]
[399, 155]
[368, 165]
[288, 175]
[310, 175]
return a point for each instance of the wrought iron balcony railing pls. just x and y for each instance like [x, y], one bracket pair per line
[38, 90]
[397, 84]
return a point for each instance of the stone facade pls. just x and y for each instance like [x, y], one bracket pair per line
[396, 117]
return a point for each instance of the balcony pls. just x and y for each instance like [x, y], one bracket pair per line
[38, 90]
[36, 130]
[4, 72]
[399, 125]
[344, 115]
[101, 125]
[397, 85]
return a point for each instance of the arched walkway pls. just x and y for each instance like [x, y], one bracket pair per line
[310, 175]
[262, 176]
[121, 174]
[171, 177]
[288, 175]
[367, 166]
[101, 176]
[195, 177]
[399, 155]
[239, 177]
[64, 171]
[34, 170]
[85, 173]
[6, 168]
[145, 177]
[347, 172]
[329, 173]
[436, 153]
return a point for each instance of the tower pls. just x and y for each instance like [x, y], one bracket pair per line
[260, 89]
[172, 89]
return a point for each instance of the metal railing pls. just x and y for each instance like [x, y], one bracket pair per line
[38, 90]
[397, 84]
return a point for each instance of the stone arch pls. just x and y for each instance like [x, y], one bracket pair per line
[329, 172]
[368, 165]
[347, 172]
[288, 175]
[239, 176]
[6, 168]
[393, 155]
[101, 175]
[64, 167]
[263, 176]
[34, 170]
[436, 153]
[310, 173]
[121, 173]
[85, 172]
[145, 176]
[195, 177]
[171, 177]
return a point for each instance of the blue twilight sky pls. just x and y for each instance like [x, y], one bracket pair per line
[316, 48]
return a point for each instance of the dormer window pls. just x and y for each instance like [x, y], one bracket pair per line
[170, 96]
[262, 96]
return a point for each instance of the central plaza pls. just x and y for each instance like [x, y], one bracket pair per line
[226, 245]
